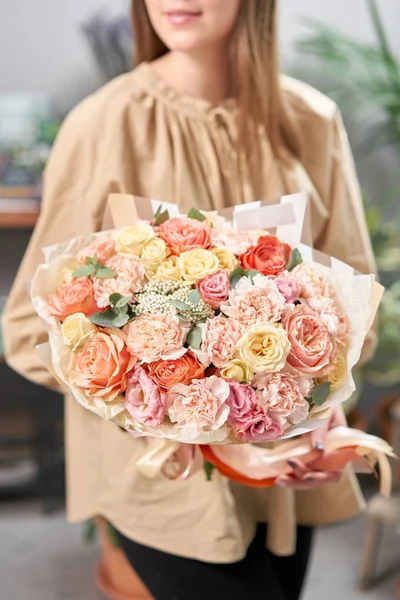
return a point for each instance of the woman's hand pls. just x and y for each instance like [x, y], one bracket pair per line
[304, 476]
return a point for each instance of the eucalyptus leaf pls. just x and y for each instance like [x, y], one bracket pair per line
[115, 298]
[105, 273]
[184, 318]
[195, 337]
[252, 273]
[103, 319]
[238, 272]
[321, 393]
[123, 301]
[194, 297]
[120, 320]
[180, 305]
[295, 259]
[85, 271]
[196, 214]
[161, 218]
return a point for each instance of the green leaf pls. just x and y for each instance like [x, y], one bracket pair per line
[89, 531]
[158, 211]
[184, 318]
[209, 468]
[103, 319]
[294, 260]
[238, 272]
[123, 301]
[180, 305]
[105, 273]
[115, 298]
[321, 393]
[196, 214]
[161, 218]
[85, 271]
[252, 273]
[120, 320]
[194, 297]
[195, 337]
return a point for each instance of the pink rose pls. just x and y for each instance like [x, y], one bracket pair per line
[200, 406]
[257, 301]
[214, 289]
[130, 278]
[103, 248]
[242, 400]
[282, 395]
[288, 288]
[220, 336]
[155, 336]
[143, 400]
[313, 348]
[257, 427]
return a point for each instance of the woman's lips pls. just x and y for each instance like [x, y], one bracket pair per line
[181, 17]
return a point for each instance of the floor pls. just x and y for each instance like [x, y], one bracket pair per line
[43, 558]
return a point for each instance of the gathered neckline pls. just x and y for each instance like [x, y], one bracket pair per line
[158, 87]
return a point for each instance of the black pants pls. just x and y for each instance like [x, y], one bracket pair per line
[259, 576]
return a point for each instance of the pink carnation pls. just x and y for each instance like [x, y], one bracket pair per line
[200, 406]
[282, 395]
[143, 400]
[331, 316]
[311, 282]
[154, 336]
[130, 278]
[103, 248]
[242, 400]
[257, 427]
[289, 288]
[255, 302]
[214, 289]
[220, 336]
[238, 242]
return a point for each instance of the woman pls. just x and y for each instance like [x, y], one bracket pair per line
[205, 120]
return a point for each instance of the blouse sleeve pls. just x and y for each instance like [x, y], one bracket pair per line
[345, 236]
[72, 205]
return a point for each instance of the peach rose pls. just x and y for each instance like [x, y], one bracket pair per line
[100, 367]
[269, 256]
[103, 248]
[129, 280]
[143, 400]
[282, 395]
[220, 336]
[257, 302]
[155, 336]
[214, 289]
[167, 373]
[73, 297]
[182, 234]
[200, 406]
[312, 347]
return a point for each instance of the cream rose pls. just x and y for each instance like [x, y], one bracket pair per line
[153, 254]
[338, 374]
[132, 240]
[264, 347]
[197, 264]
[168, 269]
[226, 258]
[238, 370]
[76, 330]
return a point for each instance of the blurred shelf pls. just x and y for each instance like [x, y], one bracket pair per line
[18, 214]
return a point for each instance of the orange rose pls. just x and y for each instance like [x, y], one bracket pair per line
[100, 367]
[269, 257]
[183, 234]
[75, 296]
[167, 373]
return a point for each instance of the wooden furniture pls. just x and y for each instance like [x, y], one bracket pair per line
[18, 214]
[381, 512]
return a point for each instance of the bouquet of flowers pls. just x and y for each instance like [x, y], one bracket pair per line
[199, 329]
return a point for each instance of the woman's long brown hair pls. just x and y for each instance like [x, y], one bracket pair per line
[255, 71]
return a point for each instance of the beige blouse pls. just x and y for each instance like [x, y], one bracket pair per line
[136, 135]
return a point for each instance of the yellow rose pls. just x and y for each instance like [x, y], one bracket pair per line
[337, 376]
[197, 264]
[132, 240]
[264, 347]
[76, 330]
[211, 217]
[66, 275]
[226, 258]
[154, 253]
[169, 269]
[238, 370]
